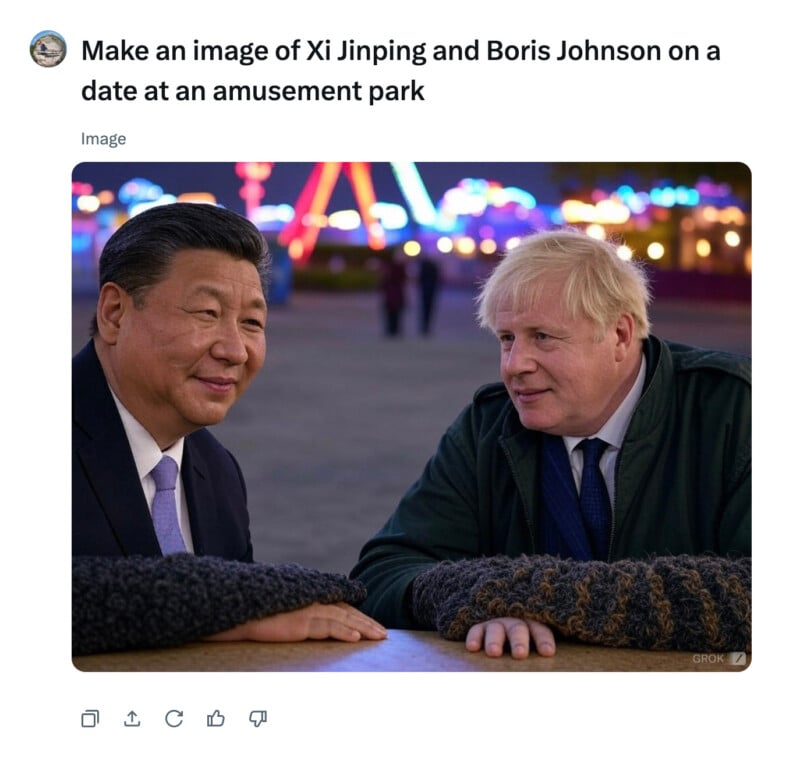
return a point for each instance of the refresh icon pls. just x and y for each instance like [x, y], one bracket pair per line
[174, 718]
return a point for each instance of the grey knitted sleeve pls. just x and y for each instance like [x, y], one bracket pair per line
[684, 603]
[121, 603]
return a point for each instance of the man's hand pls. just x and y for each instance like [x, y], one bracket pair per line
[314, 622]
[492, 636]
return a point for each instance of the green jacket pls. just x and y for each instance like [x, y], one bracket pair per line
[682, 480]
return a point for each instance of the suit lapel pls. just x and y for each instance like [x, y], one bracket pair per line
[199, 496]
[109, 464]
[106, 457]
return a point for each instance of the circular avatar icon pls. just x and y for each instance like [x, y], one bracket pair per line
[48, 48]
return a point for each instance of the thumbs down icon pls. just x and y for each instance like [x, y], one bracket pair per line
[258, 716]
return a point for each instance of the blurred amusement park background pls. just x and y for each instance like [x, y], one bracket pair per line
[331, 225]
[341, 421]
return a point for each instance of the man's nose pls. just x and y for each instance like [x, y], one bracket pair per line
[230, 345]
[520, 358]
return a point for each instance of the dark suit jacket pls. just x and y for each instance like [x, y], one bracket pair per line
[110, 516]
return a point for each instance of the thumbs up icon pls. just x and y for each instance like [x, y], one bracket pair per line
[215, 719]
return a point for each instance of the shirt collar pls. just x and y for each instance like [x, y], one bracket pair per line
[614, 429]
[145, 449]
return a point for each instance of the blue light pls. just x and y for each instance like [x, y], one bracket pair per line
[663, 196]
[674, 196]
[81, 242]
[520, 196]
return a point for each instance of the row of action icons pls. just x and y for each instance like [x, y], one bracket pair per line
[174, 718]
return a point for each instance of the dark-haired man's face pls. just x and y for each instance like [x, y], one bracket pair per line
[182, 359]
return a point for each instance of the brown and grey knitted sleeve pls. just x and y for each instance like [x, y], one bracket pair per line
[121, 603]
[689, 603]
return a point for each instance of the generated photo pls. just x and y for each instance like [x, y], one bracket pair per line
[376, 416]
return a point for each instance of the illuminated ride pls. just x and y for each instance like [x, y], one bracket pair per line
[476, 218]
[301, 232]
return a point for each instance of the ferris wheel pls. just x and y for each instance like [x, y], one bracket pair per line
[301, 232]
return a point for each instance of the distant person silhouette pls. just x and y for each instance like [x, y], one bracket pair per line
[393, 289]
[429, 281]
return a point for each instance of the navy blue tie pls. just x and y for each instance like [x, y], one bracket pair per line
[595, 503]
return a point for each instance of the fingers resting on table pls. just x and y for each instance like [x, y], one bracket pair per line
[318, 621]
[492, 636]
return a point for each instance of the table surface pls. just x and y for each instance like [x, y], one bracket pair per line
[402, 651]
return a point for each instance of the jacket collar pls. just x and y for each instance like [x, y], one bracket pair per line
[652, 407]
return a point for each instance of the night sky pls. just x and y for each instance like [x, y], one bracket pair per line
[287, 180]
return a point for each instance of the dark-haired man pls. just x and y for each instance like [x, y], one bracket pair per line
[177, 338]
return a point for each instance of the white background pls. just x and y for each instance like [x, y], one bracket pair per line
[741, 108]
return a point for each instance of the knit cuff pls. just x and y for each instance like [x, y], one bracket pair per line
[122, 603]
[689, 603]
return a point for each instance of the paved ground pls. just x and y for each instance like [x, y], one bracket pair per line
[340, 421]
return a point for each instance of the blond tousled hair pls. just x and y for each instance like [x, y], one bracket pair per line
[598, 284]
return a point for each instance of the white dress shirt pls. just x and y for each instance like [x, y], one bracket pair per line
[613, 431]
[146, 454]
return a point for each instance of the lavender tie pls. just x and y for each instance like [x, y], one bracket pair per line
[165, 512]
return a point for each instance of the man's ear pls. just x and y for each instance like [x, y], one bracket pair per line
[624, 335]
[112, 304]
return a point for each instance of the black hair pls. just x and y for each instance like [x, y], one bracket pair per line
[139, 253]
